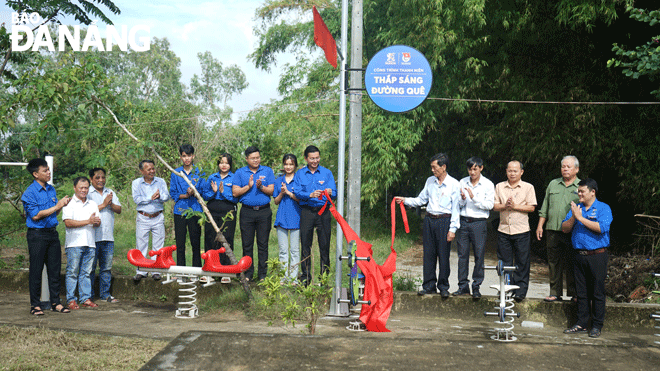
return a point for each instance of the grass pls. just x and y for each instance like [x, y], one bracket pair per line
[44, 349]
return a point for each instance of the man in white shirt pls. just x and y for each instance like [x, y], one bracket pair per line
[477, 199]
[440, 195]
[150, 194]
[80, 217]
[105, 241]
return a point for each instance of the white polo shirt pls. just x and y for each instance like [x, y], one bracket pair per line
[78, 210]
[104, 232]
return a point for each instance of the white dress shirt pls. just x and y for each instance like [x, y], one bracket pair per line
[439, 198]
[79, 210]
[104, 232]
[483, 201]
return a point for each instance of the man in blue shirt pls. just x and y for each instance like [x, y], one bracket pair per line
[149, 194]
[184, 199]
[41, 208]
[253, 186]
[590, 223]
[308, 185]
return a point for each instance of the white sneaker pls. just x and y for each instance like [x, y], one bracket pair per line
[225, 280]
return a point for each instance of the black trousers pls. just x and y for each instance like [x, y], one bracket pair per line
[513, 249]
[181, 224]
[590, 272]
[219, 210]
[560, 262]
[436, 252]
[257, 222]
[310, 220]
[44, 248]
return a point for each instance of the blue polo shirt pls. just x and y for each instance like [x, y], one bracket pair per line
[585, 239]
[226, 195]
[305, 183]
[288, 212]
[254, 197]
[178, 186]
[37, 198]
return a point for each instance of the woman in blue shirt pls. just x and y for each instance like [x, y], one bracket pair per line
[287, 221]
[221, 202]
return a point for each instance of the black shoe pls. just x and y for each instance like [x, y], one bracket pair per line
[518, 299]
[460, 292]
[156, 276]
[577, 329]
[594, 333]
[476, 294]
[138, 277]
[444, 294]
[423, 292]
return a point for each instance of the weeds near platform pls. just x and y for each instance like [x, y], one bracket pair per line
[405, 282]
[289, 302]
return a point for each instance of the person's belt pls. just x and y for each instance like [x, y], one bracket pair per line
[48, 229]
[148, 215]
[591, 252]
[255, 208]
[438, 216]
[467, 219]
[314, 209]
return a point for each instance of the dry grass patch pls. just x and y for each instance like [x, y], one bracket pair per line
[44, 349]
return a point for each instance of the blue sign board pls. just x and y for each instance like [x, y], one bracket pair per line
[398, 78]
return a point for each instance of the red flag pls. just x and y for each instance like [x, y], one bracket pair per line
[324, 39]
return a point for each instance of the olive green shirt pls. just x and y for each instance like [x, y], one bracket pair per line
[557, 202]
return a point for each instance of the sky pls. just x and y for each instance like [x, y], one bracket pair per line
[223, 27]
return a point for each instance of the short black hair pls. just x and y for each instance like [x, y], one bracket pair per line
[250, 150]
[474, 161]
[441, 158]
[311, 149]
[80, 179]
[141, 165]
[187, 149]
[518, 161]
[226, 155]
[94, 170]
[34, 165]
[290, 156]
[589, 183]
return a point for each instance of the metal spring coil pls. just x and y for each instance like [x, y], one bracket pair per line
[656, 317]
[187, 297]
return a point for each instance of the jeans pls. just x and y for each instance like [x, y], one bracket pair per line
[104, 252]
[78, 267]
[289, 242]
[44, 248]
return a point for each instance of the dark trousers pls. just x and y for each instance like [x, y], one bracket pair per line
[181, 224]
[560, 262]
[474, 232]
[257, 222]
[44, 248]
[436, 252]
[513, 249]
[310, 219]
[590, 272]
[218, 212]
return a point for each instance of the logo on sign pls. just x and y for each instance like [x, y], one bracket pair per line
[406, 57]
[391, 58]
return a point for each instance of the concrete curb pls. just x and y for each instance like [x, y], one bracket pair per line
[619, 316]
